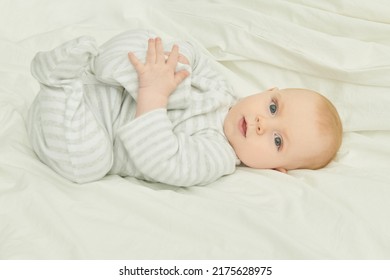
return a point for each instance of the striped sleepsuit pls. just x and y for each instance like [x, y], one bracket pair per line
[82, 123]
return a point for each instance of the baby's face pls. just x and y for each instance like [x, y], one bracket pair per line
[275, 129]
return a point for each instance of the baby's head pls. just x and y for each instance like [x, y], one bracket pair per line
[284, 129]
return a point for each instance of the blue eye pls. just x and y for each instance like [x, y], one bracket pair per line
[273, 107]
[278, 141]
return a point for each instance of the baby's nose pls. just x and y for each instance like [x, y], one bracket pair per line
[259, 125]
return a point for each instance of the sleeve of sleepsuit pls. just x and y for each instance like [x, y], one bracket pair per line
[176, 158]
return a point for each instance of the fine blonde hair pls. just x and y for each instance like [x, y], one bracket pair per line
[331, 130]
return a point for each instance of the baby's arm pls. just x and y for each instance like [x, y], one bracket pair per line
[175, 158]
[159, 153]
[157, 78]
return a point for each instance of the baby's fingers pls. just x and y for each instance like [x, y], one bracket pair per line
[181, 76]
[173, 57]
[160, 57]
[135, 61]
[151, 52]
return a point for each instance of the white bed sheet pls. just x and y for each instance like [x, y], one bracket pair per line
[340, 48]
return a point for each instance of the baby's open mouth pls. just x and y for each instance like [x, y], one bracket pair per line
[243, 127]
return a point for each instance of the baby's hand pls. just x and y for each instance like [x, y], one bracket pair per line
[157, 77]
[158, 74]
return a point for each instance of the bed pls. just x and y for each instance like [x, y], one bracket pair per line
[340, 48]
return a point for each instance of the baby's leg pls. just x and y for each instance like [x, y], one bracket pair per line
[65, 132]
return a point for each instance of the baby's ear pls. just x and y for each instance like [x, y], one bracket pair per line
[281, 169]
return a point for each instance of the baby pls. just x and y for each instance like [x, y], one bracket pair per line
[164, 115]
